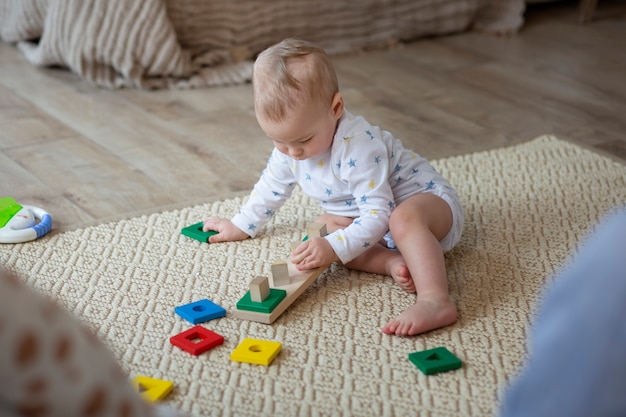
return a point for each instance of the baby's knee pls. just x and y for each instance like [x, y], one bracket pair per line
[403, 217]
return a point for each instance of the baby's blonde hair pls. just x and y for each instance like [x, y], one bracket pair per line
[289, 73]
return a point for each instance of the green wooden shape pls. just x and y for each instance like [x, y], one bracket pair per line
[195, 232]
[8, 209]
[435, 360]
[265, 306]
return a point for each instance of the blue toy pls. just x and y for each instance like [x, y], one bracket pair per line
[200, 311]
[22, 223]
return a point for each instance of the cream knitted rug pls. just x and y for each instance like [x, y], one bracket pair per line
[527, 208]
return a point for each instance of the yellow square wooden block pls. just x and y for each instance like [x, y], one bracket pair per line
[259, 352]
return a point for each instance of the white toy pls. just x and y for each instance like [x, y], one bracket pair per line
[22, 223]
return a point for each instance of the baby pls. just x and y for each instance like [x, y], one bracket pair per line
[387, 210]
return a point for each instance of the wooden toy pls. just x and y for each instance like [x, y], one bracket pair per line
[195, 232]
[297, 283]
[280, 273]
[255, 351]
[197, 340]
[152, 389]
[200, 311]
[316, 230]
[435, 360]
[259, 289]
[266, 306]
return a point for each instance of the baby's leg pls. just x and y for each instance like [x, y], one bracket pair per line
[417, 225]
[378, 259]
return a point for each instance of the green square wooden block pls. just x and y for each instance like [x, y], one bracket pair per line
[265, 306]
[435, 360]
[195, 232]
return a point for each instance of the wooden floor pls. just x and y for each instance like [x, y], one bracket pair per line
[86, 154]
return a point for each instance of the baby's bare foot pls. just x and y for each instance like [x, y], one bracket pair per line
[421, 317]
[401, 274]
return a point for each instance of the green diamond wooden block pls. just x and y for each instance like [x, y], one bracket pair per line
[195, 232]
[265, 306]
[435, 360]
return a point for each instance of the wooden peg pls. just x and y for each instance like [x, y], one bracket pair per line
[259, 289]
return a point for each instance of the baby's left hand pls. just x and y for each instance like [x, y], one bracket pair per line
[313, 253]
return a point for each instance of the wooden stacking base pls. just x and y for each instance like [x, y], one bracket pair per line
[299, 281]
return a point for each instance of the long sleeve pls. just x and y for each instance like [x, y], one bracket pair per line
[268, 195]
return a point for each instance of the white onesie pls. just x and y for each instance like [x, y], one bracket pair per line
[363, 175]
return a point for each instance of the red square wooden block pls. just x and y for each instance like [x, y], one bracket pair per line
[197, 340]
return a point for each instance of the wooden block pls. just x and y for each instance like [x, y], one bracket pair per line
[435, 360]
[256, 351]
[200, 311]
[316, 230]
[259, 289]
[280, 274]
[195, 232]
[197, 340]
[266, 306]
[152, 389]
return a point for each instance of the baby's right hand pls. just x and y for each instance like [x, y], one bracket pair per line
[226, 230]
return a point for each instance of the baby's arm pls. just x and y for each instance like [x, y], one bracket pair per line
[226, 230]
[269, 193]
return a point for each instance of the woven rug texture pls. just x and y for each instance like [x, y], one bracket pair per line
[528, 207]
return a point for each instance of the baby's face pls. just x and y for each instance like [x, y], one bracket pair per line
[306, 133]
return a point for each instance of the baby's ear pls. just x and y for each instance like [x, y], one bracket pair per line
[337, 105]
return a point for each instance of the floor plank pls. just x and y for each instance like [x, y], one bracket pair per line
[88, 154]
